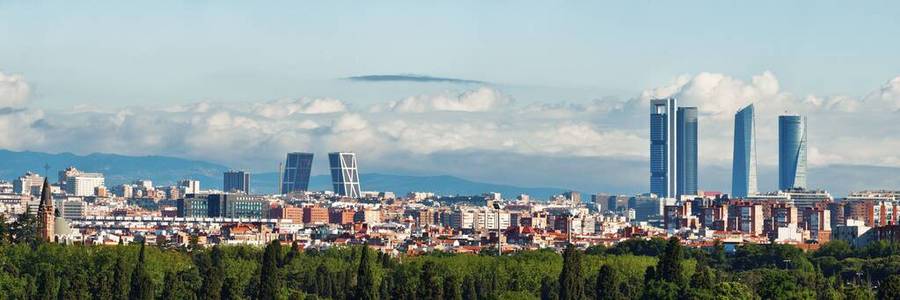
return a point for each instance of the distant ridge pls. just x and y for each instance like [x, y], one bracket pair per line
[163, 170]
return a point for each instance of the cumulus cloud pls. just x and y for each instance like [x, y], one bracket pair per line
[284, 108]
[467, 123]
[481, 99]
[14, 90]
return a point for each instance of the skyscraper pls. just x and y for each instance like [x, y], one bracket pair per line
[297, 168]
[791, 152]
[344, 174]
[743, 166]
[688, 146]
[236, 181]
[663, 148]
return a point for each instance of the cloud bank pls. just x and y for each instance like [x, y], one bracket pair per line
[472, 133]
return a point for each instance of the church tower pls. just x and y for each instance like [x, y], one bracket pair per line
[46, 214]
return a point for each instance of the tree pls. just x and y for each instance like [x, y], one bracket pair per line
[717, 255]
[890, 288]
[608, 284]
[429, 285]
[452, 288]
[120, 280]
[470, 291]
[269, 279]
[549, 289]
[212, 271]
[24, 230]
[733, 291]
[386, 288]
[141, 284]
[669, 266]
[365, 277]
[571, 279]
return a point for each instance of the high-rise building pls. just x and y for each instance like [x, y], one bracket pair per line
[688, 148]
[344, 174]
[663, 148]
[28, 184]
[297, 168]
[189, 186]
[83, 184]
[791, 152]
[236, 181]
[743, 166]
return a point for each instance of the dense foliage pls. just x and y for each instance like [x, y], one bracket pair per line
[636, 269]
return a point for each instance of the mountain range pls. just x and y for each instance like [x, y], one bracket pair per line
[119, 169]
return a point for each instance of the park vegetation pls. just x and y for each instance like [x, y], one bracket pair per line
[633, 269]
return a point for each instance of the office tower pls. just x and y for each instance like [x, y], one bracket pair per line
[663, 150]
[237, 181]
[743, 166]
[190, 186]
[688, 146]
[344, 174]
[28, 184]
[791, 152]
[83, 184]
[296, 172]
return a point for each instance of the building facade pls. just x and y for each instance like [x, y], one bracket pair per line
[663, 147]
[344, 174]
[236, 181]
[688, 149]
[83, 184]
[297, 168]
[792, 147]
[743, 167]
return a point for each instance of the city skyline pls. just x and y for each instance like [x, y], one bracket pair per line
[533, 126]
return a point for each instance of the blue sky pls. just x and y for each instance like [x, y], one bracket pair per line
[565, 92]
[116, 53]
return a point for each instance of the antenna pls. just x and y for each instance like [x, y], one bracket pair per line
[46, 169]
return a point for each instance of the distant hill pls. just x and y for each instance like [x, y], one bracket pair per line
[402, 184]
[164, 170]
[117, 169]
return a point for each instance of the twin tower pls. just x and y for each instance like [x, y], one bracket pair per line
[344, 173]
[674, 145]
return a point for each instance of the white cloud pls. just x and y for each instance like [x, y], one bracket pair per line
[482, 99]
[284, 108]
[14, 91]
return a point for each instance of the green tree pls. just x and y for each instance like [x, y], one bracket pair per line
[141, 284]
[429, 283]
[452, 289]
[890, 288]
[269, 279]
[608, 285]
[733, 291]
[669, 266]
[549, 289]
[571, 279]
[121, 282]
[365, 277]
[470, 291]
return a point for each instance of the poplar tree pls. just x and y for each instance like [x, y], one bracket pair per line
[571, 279]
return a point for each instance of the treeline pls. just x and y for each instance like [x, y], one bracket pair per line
[634, 269]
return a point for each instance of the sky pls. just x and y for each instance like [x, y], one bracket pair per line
[552, 86]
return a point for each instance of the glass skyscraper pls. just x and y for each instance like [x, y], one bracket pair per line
[236, 181]
[344, 174]
[297, 167]
[743, 167]
[663, 149]
[791, 152]
[688, 146]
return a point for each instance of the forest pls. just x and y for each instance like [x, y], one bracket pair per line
[633, 269]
